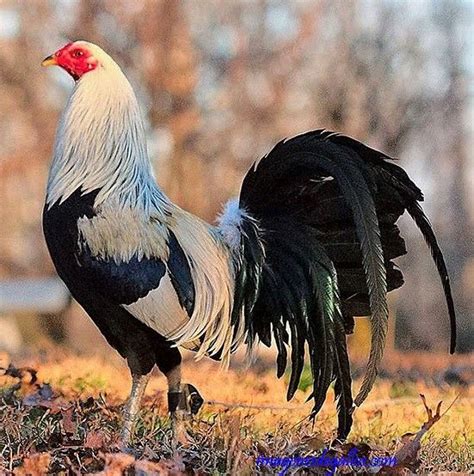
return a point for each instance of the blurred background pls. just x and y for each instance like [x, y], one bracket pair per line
[219, 83]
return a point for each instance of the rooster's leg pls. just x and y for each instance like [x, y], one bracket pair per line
[175, 405]
[183, 401]
[139, 383]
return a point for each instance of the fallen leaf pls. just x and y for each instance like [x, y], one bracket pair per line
[116, 464]
[69, 424]
[315, 443]
[95, 439]
[43, 394]
[262, 448]
[405, 438]
[407, 455]
[361, 449]
[234, 452]
[35, 465]
[167, 467]
[44, 397]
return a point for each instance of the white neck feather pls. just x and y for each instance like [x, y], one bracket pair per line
[101, 144]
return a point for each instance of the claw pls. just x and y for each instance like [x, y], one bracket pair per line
[188, 400]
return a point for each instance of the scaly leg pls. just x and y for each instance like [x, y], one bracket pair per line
[139, 383]
[176, 406]
[183, 401]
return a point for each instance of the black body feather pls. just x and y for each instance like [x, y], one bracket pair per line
[180, 274]
[101, 286]
[318, 240]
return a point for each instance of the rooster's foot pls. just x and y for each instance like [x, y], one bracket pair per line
[182, 405]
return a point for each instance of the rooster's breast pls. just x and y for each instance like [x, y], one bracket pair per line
[122, 260]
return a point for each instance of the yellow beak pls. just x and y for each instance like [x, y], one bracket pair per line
[49, 61]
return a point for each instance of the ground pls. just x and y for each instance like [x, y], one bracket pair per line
[61, 412]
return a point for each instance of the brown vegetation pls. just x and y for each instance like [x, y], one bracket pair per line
[62, 412]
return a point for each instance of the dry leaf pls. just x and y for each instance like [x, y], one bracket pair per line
[233, 454]
[315, 443]
[116, 464]
[262, 448]
[362, 449]
[44, 397]
[167, 467]
[95, 439]
[35, 465]
[407, 455]
[69, 424]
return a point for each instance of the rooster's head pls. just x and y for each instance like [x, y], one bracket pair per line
[77, 58]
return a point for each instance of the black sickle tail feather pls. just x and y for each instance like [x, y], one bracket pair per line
[424, 225]
[317, 242]
[397, 182]
[410, 195]
[338, 356]
[342, 386]
[247, 281]
[299, 292]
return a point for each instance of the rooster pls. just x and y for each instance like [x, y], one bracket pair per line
[308, 245]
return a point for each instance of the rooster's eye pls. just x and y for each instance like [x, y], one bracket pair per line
[77, 53]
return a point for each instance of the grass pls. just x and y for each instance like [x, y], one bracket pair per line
[69, 420]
